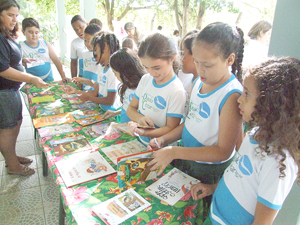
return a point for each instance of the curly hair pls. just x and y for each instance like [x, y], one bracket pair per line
[277, 110]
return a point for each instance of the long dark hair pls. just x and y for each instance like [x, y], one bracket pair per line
[127, 63]
[6, 5]
[277, 109]
[225, 39]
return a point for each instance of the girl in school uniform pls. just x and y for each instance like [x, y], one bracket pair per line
[255, 185]
[160, 98]
[209, 133]
[128, 69]
[105, 91]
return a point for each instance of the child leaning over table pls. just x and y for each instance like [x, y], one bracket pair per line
[40, 51]
[255, 185]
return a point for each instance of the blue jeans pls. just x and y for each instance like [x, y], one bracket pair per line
[10, 108]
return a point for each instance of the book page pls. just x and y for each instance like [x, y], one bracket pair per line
[82, 167]
[115, 151]
[121, 207]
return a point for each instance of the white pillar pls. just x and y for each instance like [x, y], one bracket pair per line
[61, 19]
[88, 9]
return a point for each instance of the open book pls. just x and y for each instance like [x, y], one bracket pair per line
[82, 167]
[133, 168]
[113, 152]
[172, 186]
[121, 207]
[53, 120]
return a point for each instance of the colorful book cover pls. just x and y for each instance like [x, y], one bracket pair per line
[90, 120]
[82, 167]
[113, 152]
[69, 96]
[49, 112]
[75, 101]
[98, 130]
[79, 114]
[46, 98]
[53, 120]
[121, 127]
[121, 207]
[172, 187]
[70, 145]
[55, 130]
[133, 168]
[42, 93]
[85, 105]
[53, 105]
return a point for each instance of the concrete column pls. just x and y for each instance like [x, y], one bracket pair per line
[61, 19]
[285, 41]
[88, 9]
[285, 38]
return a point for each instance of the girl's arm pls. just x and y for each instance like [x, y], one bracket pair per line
[57, 62]
[74, 63]
[109, 100]
[133, 114]
[230, 126]
[110, 113]
[82, 80]
[18, 76]
[264, 215]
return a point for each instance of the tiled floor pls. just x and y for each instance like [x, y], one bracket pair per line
[33, 199]
[28, 200]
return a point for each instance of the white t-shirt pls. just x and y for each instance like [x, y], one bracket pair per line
[201, 126]
[77, 47]
[254, 53]
[128, 95]
[160, 101]
[90, 68]
[250, 179]
[187, 80]
[42, 66]
[108, 82]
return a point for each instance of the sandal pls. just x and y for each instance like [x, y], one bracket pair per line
[23, 160]
[26, 171]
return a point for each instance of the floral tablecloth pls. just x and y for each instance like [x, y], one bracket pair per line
[78, 200]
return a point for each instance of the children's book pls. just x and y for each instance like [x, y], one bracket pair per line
[70, 145]
[90, 120]
[121, 127]
[49, 112]
[69, 96]
[54, 130]
[53, 105]
[133, 168]
[113, 152]
[42, 93]
[75, 101]
[82, 167]
[98, 130]
[46, 98]
[79, 114]
[121, 207]
[172, 187]
[53, 120]
[85, 105]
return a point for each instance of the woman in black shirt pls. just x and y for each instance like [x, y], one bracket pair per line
[11, 77]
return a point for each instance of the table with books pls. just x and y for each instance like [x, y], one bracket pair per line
[100, 169]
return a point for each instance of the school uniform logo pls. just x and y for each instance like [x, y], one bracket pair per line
[130, 97]
[104, 79]
[160, 102]
[245, 165]
[41, 50]
[204, 110]
[93, 59]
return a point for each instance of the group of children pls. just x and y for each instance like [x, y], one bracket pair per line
[206, 112]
